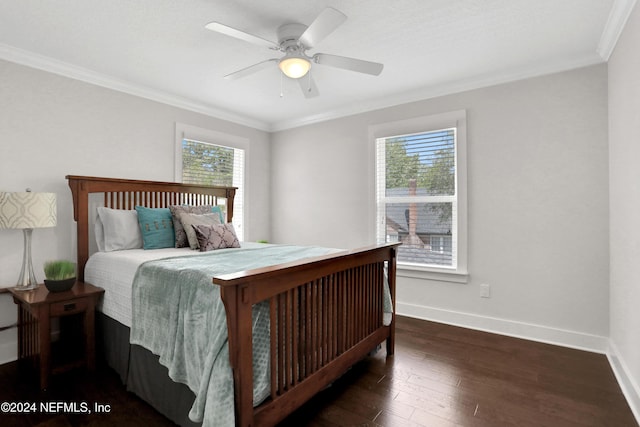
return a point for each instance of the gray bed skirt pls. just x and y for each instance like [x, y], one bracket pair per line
[141, 372]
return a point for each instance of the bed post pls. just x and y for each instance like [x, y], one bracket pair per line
[81, 216]
[391, 341]
[231, 193]
[239, 327]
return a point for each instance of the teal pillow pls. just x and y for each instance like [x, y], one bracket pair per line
[217, 209]
[156, 226]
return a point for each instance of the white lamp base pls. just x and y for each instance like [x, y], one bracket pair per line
[27, 280]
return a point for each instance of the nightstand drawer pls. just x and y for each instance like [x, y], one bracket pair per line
[68, 307]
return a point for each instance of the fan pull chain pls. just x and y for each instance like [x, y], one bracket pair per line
[309, 88]
[281, 86]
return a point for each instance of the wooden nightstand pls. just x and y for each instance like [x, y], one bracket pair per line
[35, 310]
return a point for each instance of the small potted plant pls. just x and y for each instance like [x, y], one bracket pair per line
[60, 275]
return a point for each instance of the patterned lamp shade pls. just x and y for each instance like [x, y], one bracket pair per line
[27, 210]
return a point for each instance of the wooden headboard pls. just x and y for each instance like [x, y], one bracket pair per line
[128, 193]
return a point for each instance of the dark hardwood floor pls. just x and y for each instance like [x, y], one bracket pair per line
[440, 376]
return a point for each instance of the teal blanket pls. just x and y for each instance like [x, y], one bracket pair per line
[178, 315]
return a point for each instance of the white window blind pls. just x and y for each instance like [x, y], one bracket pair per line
[416, 193]
[211, 164]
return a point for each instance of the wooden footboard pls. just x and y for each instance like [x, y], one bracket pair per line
[326, 314]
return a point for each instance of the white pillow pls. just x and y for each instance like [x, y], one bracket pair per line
[98, 229]
[120, 229]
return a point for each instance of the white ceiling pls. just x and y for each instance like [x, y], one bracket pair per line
[160, 49]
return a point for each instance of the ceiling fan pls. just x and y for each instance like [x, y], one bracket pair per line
[294, 40]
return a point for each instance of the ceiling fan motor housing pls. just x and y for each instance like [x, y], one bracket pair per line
[288, 35]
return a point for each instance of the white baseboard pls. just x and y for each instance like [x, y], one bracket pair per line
[529, 331]
[629, 386]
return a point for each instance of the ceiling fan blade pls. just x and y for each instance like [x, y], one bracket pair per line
[328, 20]
[232, 32]
[352, 64]
[308, 86]
[250, 69]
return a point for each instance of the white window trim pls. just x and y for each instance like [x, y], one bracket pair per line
[184, 131]
[457, 119]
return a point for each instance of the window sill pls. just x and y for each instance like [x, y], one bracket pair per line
[437, 274]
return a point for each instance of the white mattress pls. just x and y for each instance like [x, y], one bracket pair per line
[114, 271]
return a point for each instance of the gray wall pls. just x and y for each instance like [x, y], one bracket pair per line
[538, 204]
[624, 189]
[52, 126]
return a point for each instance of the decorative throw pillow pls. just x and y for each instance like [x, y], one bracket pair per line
[156, 227]
[189, 220]
[120, 229]
[176, 210]
[211, 237]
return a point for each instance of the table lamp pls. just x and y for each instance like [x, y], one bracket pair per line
[27, 211]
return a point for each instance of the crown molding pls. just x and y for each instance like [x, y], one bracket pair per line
[65, 69]
[51, 65]
[478, 82]
[616, 21]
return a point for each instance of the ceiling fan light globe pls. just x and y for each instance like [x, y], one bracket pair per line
[294, 67]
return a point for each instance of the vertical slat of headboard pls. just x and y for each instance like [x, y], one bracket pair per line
[156, 199]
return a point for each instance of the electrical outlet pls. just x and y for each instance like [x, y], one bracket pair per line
[485, 291]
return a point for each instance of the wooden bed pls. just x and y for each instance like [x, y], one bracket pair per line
[312, 344]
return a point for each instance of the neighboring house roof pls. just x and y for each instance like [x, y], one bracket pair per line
[420, 256]
[430, 221]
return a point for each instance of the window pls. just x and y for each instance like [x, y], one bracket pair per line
[206, 157]
[439, 244]
[420, 191]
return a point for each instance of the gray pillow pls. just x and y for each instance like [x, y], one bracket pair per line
[188, 220]
[176, 210]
